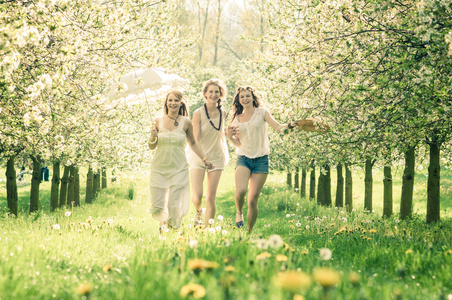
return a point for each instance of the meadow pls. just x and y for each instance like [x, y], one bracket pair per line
[112, 249]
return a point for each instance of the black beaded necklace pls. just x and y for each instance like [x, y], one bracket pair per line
[211, 123]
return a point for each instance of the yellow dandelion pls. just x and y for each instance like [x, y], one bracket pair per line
[326, 277]
[193, 289]
[448, 252]
[84, 289]
[354, 278]
[198, 264]
[263, 255]
[106, 268]
[281, 258]
[409, 251]
[225, 260]
[305, 252]
[292, 281]
[336, 233]
[89, 221]
[343, 229]
[180, 239]
[372, 231]
[298, 297]
[369, 238]
[229, 268]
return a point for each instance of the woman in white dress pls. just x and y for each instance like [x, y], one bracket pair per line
[208, 129]
[248, 133]
[170, 188]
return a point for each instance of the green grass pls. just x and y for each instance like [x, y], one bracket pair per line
[394, 259]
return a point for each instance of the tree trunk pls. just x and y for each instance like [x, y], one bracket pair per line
[289, 179]
[63, 186]
[217, 34]
[113, 175]
[339, 187]
[327, 186]
[406, 199]
[95, 184]
[89, 194]
[312, 184]
[296, 179]
[433, 184]
[348, 188]
[54, 204]
[76, 186]
[70, 187]
[303, 183]
[11, 187]
[387, 192]
[35, 182]
[368, 185]
[104, 177]
[320, 189]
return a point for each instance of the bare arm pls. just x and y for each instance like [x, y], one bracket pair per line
[232, 134]
[197, 124]
[153, 140]
[273, 123]
[194, 145]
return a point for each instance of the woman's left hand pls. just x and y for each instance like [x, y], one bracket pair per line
[209, 165]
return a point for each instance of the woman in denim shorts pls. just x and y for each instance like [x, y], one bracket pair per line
[248, 133]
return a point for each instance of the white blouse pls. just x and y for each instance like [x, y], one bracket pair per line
[253, 135]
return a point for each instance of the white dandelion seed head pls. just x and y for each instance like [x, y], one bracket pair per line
[262, 244]
[211, 221]
[67, 214]
[56, 226]
[220, 217]
[325, 253]
[298, 224]
[193, 243]
[224, 232]
[109, 221]
[212, 230]
[218, 228]
[275, 241]
[288, 215]
[307, 227]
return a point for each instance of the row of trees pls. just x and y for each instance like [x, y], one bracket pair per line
[58, 59]
[378, 72]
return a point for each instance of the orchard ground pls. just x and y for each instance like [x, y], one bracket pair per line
[112, 249]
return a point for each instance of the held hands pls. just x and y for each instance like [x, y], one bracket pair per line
[207, 163]
[233, 131]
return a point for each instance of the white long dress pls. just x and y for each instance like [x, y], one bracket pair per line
[212, 142]
[170, 187]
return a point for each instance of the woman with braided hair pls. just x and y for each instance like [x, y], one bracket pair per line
[208, 128]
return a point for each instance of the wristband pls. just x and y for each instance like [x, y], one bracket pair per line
[154, 142]
[290, 126]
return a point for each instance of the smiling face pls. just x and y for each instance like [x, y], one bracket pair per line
[212, 94]
[173, 103]
[246, 98]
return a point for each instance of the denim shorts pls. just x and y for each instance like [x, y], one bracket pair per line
[255, 165]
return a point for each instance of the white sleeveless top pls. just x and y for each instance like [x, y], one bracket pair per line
[253, 135]
[211, 141]
[169, 164]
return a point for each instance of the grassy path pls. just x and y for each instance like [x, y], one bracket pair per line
[112, 250]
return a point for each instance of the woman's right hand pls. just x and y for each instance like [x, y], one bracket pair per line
[153, 132]
[232, 131]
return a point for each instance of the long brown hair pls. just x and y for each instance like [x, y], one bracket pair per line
[183, 110]
[221, 86]
[237, 108]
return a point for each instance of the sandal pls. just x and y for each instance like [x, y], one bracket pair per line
[239, 223]
[198, 219]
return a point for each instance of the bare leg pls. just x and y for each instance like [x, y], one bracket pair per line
[242, 176]
[213, 179]
[257, 182]
[196, 180]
